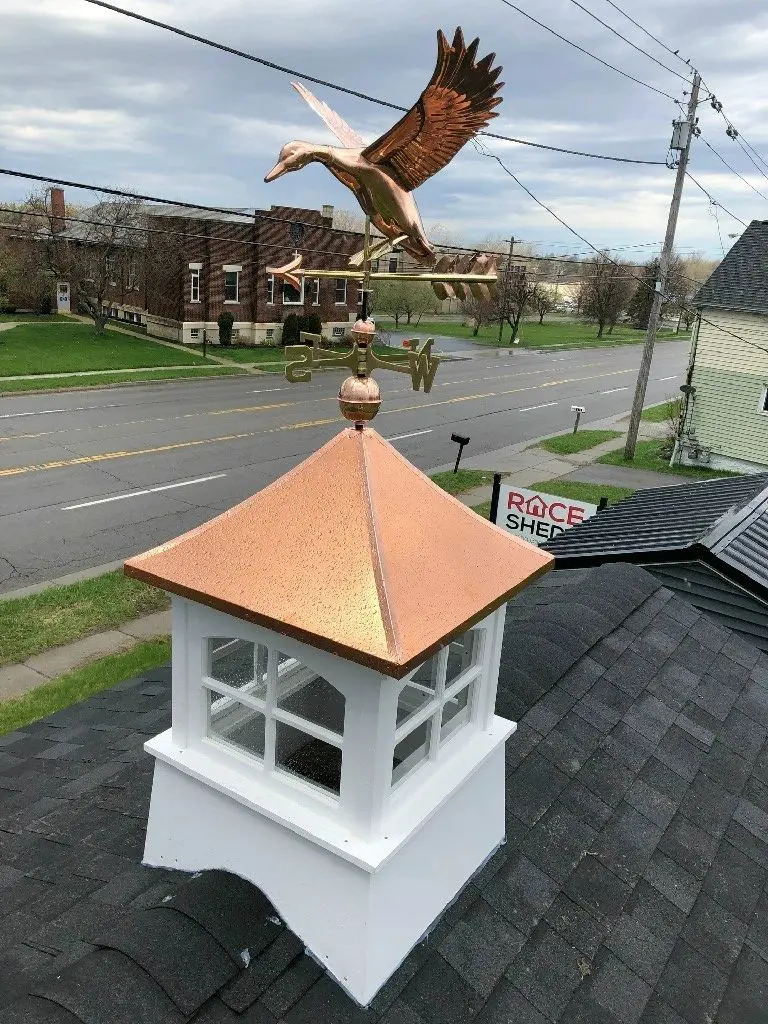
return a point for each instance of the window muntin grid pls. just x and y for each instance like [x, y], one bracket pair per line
[437, 700]
[261, 703]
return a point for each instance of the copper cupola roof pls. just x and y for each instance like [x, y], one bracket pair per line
[354, 551]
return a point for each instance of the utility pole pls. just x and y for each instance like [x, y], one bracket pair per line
[687, 128]
[505, 289]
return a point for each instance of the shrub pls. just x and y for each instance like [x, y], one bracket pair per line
[311, 323]
[45, 304]
[225, 322]
[291, 330]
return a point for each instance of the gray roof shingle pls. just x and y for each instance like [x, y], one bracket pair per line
[632, 888]
[739, 282]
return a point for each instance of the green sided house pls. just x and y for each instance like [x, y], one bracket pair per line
[725, 419]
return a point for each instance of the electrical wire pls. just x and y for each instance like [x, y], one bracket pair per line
[663, 45]
[714, 201]
[733, 169]
[576, 46]
[639, 280]
[354, 92]
[634, 46]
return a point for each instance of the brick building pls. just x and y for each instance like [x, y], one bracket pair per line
[199, 264]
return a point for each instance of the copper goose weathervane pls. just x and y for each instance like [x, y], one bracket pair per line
[457, 103]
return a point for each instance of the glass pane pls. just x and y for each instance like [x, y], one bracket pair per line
[230, 720]
[462, 652]
[307, 757]
[456, 711]
[238, 663]
[411, 751]
[306, 694]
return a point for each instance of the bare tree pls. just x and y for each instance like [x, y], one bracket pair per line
[606, 290]
[516, 297]
[100, 253]
[543, 300]
[404, 300]
[481, 312]
[349, 220]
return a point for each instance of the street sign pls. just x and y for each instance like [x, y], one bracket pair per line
[537, 517]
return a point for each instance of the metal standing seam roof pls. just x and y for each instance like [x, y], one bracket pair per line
[740, 282]
[661, 521]
[354, 551]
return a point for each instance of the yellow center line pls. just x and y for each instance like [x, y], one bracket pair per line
[85, 460]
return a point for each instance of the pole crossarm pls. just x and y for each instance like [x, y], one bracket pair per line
[302, 359]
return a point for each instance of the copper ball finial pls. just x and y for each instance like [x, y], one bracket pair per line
[359, 399]
[364, 331]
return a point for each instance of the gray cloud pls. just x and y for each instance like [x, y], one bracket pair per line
[91, 96]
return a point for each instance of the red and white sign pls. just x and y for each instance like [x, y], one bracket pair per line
[536, 517]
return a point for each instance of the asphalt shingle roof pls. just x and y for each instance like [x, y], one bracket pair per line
[740, 282]
[631, 888]
[669, 521]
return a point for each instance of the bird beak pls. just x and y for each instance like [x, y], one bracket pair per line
[276, 171]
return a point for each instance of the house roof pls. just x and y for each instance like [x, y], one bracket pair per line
[237, 215]
[739, 282]
[374, 561]
[631, 889]
[676, 521]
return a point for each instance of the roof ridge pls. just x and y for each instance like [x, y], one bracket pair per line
[391, 631]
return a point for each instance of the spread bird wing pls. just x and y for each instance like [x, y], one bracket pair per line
[347, 136]
[457, 103]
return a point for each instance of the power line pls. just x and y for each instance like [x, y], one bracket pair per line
[594, 248]
[663, 45]
[714, 201]
[733, 169]
[576, 46]
[634, 46]
[354, 92]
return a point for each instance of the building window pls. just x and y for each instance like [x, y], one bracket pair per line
[269, 707]
[435, 702]
[764, 401]
[271, 290]
[270, 333]
[375, 264]
[341, 291]
[338, 332]
[293, 296]
[315, 291]
[393, 264]
[360, 294]
[194, 285]
[194, 332]
[231, 285]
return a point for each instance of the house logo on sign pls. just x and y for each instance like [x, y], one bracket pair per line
[536, 517]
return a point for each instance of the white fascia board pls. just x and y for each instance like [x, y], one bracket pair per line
[195, 266]
[229, 267]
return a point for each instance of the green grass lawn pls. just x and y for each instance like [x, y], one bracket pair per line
[64, 348]
[464, 480]
[35, 318]
[102, 379]
[647, 456]
[578, 491]
[574, 334]
[82, 683]
[569, 444]
[59, 615]
[662, 412]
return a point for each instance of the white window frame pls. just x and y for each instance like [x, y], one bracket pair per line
[761, 407]
[339, 282]
[432, 711]
[272, 713]
[232, 268]
[292, 302]
[270, 290]
[316, 291]
[195, 269]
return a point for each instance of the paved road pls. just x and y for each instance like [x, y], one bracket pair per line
[93, 476]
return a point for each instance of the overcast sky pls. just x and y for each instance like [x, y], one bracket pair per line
[89, 95]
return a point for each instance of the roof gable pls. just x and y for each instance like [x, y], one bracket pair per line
[740, 282]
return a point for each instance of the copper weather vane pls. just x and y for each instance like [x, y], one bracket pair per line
[456, 104]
